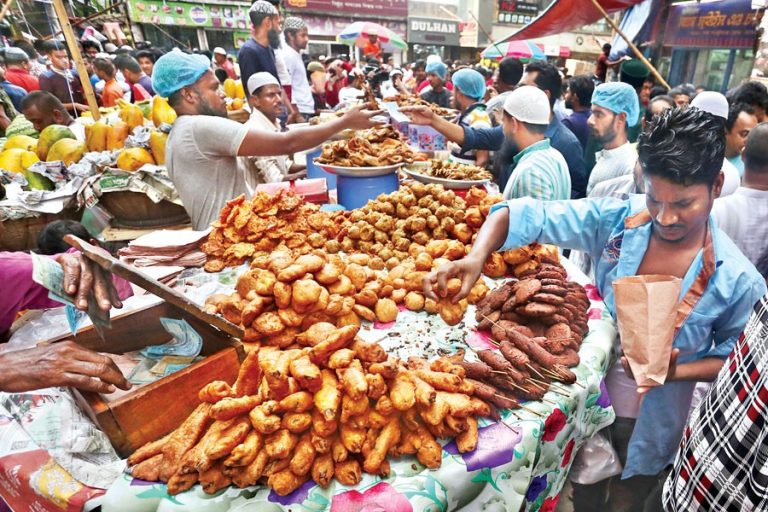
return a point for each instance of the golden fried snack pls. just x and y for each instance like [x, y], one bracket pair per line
[352, 437]
[291, 273]
[321, 444]
[451, 313]
[197, 459]
[304, 456]
[183, 439]
[414, 301]
[149, 450]
[352, 407]
[336, 340]
[399, 295]
[338, 451]
[289, 317]
[301, 401]
[269, 324]
[328, 399]
[282, 293]
[248, 475]
[296, 422]
[386, 310]
[478, 292]
[280, 444]
[323, 470]
[343, 286]
[429, 453]
[228, 408]
[249, 376]
[232, 309]
[467, 441]
[306, 373]
[366, 297]
[387, 369]
[403, 392]
[350, 319]
[364, 312]
[424, 392]
[440, 380]
[253, 309]
[316, 334]
[213, 479]
[353, 380]
[229, 439]
[328, 274]
[348, 472]
[179, 483]
[263, 420]
[305, 295]
[276, 465]
[494, 266]
[245, 453]
[376, 385]
[341, 358]
[148, 469]
[389, 436]
[321, 426]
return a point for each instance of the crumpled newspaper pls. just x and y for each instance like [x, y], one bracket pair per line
[50, 419]
[152, 180]
[139, 138]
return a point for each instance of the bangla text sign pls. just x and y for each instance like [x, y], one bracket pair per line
[393, 8]
[725, 24]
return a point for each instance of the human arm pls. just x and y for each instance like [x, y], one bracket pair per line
[59, 364]
[76, 106]
[482, 158]
[262, 143]
[702, 370]
[423, 115]
[584, 225]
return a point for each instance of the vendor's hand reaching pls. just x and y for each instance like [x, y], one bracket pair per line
[420, 114]
[670, 372]
[60, 364]
[435, 284]
[81, 276]
[358, 118]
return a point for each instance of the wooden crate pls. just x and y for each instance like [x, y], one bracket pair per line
[145, 413]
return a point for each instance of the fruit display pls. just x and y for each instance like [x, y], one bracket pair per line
[328, 406]
[162, 112]
[130, 114]
[132, 159]
[21, 142]
[375, 147]
[49, 136]
[266, 223]
[66, 150]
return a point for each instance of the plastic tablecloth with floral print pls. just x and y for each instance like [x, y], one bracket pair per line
[521, 462]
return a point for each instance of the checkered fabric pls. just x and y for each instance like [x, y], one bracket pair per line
[722, 464]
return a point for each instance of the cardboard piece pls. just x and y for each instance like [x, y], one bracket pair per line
[646, 310]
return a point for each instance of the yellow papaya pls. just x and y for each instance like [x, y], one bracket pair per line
[230, 88]
[162, 112]
[157, 140]
[69, 151]
[21, 141]
[132, 159]
[96, 136]
[130, 114]
[239, 90]
[116, 135]
[49, 136]
[10, 159]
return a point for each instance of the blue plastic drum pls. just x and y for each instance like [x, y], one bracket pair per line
[313, 171]
[355, 192]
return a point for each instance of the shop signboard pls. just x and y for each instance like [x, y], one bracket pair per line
[518, 12]
[390, 8]
[327, 26]
[183, 14]
[724, 24]
[433, 31]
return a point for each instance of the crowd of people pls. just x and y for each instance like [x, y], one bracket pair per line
[631, 177]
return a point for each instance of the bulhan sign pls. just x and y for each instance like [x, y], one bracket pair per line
[432, 31]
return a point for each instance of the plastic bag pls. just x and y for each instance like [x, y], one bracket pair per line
[595, 461]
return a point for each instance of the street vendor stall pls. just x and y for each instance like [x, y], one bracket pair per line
[521, 456]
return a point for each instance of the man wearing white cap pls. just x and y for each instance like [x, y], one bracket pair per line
[203, 146]
[540, 170]
[717, 105]
[220, 61]
[296, 39]
[265, 99]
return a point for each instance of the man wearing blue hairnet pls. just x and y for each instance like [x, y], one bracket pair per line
[436, 92]
[203, 146]
[468, 93]
[614, 108]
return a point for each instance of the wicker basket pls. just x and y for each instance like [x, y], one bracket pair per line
[137, 210]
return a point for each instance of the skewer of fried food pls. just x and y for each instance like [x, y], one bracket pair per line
[552, 387]
[521, 406]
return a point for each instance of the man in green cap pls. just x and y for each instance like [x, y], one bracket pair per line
[634, 73]
[203, 146]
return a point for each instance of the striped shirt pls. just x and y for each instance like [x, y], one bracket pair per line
[540, 172]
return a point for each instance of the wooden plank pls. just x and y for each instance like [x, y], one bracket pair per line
[74, 50]
[107, 262]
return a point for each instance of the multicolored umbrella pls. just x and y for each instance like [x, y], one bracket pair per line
[517, 49]
[357, 33]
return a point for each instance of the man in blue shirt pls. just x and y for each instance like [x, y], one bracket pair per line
[538, 74]
[668, 231]
[14, 92]
[257, 54]
[578, 98]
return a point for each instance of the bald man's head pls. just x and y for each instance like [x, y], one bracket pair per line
[755, 154]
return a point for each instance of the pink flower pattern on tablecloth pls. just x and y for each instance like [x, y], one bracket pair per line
[382, 497]
[554, 423]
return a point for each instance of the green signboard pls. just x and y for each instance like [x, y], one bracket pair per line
[183, 14]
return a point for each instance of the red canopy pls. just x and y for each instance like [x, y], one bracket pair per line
[566, 15]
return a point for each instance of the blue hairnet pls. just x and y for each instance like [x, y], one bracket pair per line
[618, 97]
[437, 68]
[470, 83]
[176, 70]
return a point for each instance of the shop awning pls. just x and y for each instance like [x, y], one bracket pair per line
[565, 15]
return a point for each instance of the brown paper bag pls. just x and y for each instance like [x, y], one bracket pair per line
[646, 309]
